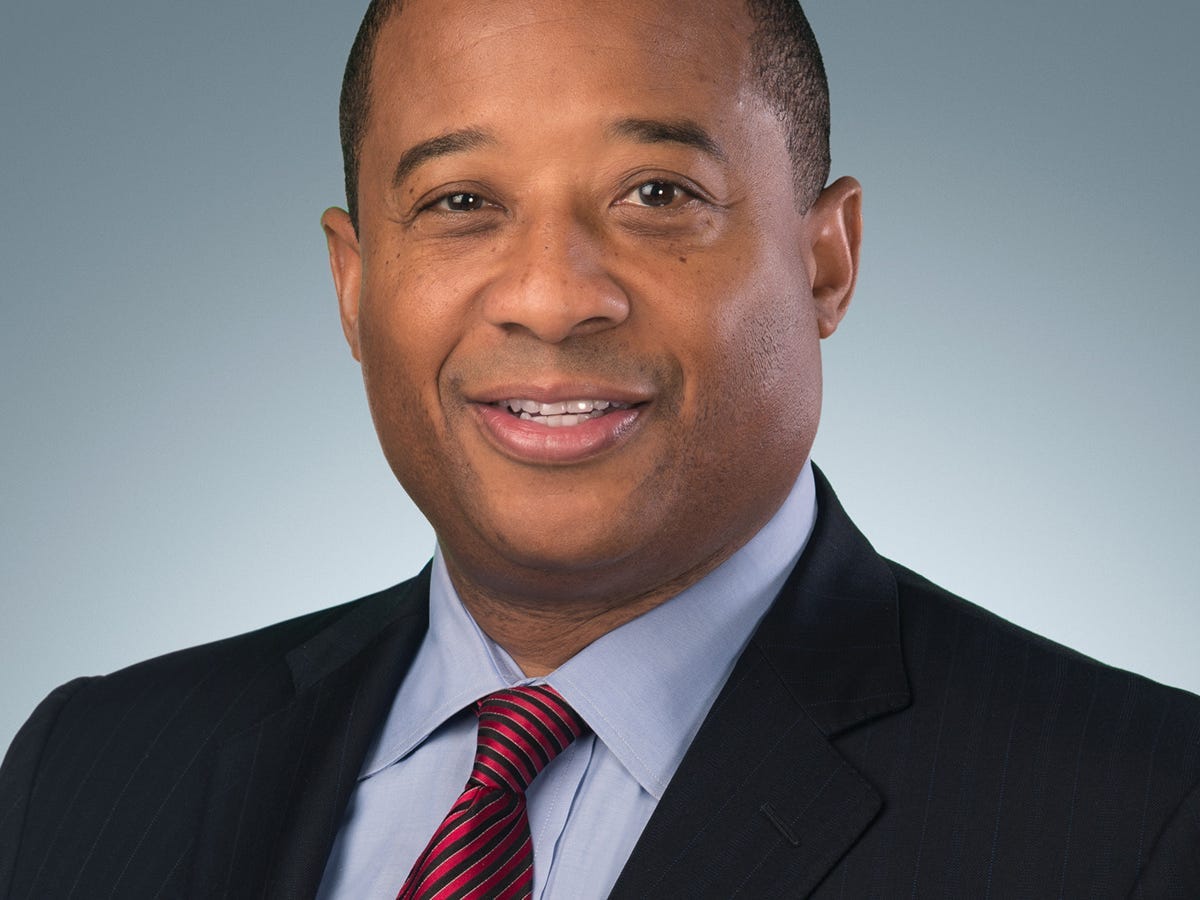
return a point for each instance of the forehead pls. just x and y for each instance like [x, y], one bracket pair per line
[440, 63]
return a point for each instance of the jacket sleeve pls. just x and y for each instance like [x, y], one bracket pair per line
[19, 773]
[1173, 868]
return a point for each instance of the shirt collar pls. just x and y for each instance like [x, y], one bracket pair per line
[455, 666]
[644, 688]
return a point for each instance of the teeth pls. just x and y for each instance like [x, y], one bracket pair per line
[567, 412]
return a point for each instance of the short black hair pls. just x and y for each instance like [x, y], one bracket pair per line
[783, 51]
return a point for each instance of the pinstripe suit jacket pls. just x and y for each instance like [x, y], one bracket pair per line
[878, 738]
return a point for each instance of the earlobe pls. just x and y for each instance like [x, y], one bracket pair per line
[345, 261]
[834, 236]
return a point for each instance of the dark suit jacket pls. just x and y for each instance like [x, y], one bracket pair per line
[878, 738]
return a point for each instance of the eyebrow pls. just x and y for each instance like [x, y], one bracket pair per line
[673, 131]
[443, 145]
[644, 131]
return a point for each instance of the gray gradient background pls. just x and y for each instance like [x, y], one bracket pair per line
[1010, 406]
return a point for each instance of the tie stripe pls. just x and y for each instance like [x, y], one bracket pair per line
[483, 849]
[486, 849]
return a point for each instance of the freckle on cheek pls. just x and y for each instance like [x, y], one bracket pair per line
[683, 259]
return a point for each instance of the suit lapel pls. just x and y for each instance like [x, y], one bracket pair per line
[279, 789]
[763, 805]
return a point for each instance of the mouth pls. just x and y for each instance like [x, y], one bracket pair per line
[559, 429]
[563, 414]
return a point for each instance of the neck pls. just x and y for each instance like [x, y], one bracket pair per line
[543, 633]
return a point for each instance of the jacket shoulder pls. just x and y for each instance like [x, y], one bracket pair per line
[209, 685]
[140, 738]
[1078, 768]
[927, 607]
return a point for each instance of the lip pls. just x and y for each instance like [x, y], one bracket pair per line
[531, 442]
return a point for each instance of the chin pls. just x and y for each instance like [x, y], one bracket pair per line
[564, 548]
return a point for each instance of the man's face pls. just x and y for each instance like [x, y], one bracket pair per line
[582, 291]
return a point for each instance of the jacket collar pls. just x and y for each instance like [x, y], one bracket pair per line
[279, 789]
[833, 637]
[763, 804]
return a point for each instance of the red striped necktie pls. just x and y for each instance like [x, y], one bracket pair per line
[483, 849]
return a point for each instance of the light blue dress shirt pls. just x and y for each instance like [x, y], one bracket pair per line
[644, 689]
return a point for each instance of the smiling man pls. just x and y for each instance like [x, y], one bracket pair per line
[589, 256]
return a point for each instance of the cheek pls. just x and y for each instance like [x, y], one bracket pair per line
[406, 332]
[772, 342]
[748, 320]
[410, 320]
[761, 373]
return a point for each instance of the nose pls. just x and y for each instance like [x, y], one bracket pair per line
[553, 283]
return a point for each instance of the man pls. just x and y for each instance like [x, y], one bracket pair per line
[588, 259]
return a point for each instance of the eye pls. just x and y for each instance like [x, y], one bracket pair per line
[456, 211]
[657, 194]
[461, 202]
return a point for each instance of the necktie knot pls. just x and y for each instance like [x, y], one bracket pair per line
[520, 730]
[483, 848]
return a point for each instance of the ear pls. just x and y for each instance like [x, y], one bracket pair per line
[345, 260]
[834, 231]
